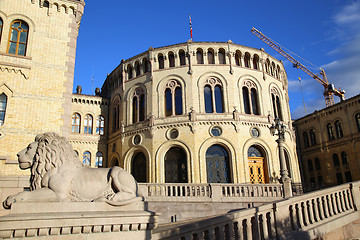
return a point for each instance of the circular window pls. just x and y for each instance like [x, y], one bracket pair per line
[137, 139]
[255, 132]
[173, 133]
[216, 131]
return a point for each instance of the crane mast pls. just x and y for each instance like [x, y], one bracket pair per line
[329, 89]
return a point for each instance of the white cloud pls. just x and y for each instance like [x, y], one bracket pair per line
[349, 14]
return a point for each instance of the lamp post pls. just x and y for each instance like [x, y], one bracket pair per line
[278, 129]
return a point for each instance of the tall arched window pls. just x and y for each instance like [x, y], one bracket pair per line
[161, 61]
[100, 124]
[173, 98]
[317, 164]
[3, 103]
[272, 69]
[256, 61]
[310, 166]
[254, 101]
[137, 68]
[176, 166]
[357, 120]
[182, 57]
[129, 71]
[257, 165]
[306, 139]
[287, 161]
[275, 96]
[88, 124]
[245, 92]
[336, 160]
[312, 137]
[171, 59]
[344, 158]
[210, 56]
[213, 96]
[221, 55]
[145, 65]
[247, 60]
[218, 165]
[138, 106]
[338, 129]
[330, 131]
[18, 37]
[267, 66]
[139, 167]
[116, 115]
[99, 159]
[250, 98]
[86, 158]
[199, 56]
[1, 27]
[75, 123]
[238, 58]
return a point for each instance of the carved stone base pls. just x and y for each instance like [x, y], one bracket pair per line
[77, 220]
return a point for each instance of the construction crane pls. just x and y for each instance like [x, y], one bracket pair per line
[329, 89]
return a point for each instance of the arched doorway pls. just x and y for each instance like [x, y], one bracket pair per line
[114, 162]
[218, 165]
[176, 166]
[257, 165]
[139, 167]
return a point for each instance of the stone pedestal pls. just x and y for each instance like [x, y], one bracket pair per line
[78, 220]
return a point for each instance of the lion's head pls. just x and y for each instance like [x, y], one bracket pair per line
[49, 151]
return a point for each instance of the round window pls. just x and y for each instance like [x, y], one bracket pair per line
[216, 131]
[137, 139]
[255, 132]
[174, 133]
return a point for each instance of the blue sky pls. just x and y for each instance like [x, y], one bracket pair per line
[324, 32]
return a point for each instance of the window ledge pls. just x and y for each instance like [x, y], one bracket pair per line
[14, 55]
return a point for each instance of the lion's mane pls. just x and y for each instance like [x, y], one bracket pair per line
[52, 152]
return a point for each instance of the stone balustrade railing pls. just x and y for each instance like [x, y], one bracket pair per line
[303, 217]
[213, 192]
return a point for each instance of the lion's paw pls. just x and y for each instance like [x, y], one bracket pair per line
[9, 201]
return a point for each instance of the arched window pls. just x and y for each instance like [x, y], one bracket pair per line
[218, 165]
[161, 61]
[267, 66]
[238, 58]
[247, 60]
[145, 65]
[272, 69]
[138, 105]
[344, 158]
[246, 100]
[137, 68]
[176, 166]
[336, 160]
[357, 120]
[171, 59]
[287, 161]
[88, 124]
[213, 96]
[116, 115]
[139, 167]
[99, 159]
[221, 56]
[306, 139]
[3, 103]
[310, 166]
[75, 123]
[1, 27]
[129, 71]
[312, 137]
[100, 123]
[114, 162]
[254, 101]
[330, 131]
[257, 165]
[250, 98]
[276, 103]
[173, 98]
[18, 37]
[182, 57]
[86, 158]
[199, 56]
[277, 71]
[256, 61]
[317, 164]
[338, 128]
[210, 56]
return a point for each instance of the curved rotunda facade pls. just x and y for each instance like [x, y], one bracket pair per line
[199, 112]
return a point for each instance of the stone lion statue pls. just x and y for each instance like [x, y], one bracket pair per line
[58, 175]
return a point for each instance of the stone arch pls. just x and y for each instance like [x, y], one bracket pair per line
[240, 83]
[114, 160]
[130, 154]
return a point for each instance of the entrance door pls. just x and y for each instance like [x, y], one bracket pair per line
[218, 165]
[176, 166]
[257, 165]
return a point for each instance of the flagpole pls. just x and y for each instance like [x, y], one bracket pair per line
[191, 36]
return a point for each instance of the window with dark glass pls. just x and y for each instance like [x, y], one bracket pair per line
[199, 56]
[238, 58]
[176, 166]
[250, 98]
[317, 164]
[173, 98]
[182, 57]
[1, 27]
[99, 159]
[336, 160]
[306, 139]
[218, 165]
[139, 167]
[287, 161]
[88, 124]
[145, 65]
[138, 106]
[210, 56]
[100, 123]
[254, 101]
[357, 120]
[171, 59]
[256, 62]
[246, 100]
[75, 123]
[18, 38]
[221, 56]
[3, 103]
[116, 115]
[344, 158]
[130, 71]
[267, 66]
[348, 177]
[278, 108]
[330, 131]
[247, 60]
[338, 129]
[213, 96]
[137, 69]
[86, 158]
[272, 69]
[310, 166]
[161, 61]
[339, 178]
[312, 137]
